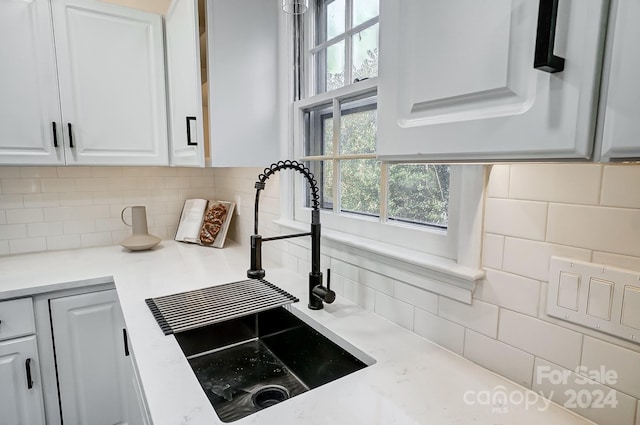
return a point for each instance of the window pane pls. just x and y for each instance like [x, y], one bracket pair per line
[323, 173]
[335, 19]
[318, 131]
[335, 66]
[419, 193]
[365, 53]
[358, 127]
[360, 186]
[363, 10]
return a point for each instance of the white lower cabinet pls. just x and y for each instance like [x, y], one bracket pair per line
[20, 387]
[95, 373]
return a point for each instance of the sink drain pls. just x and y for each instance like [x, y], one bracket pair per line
[269, 395]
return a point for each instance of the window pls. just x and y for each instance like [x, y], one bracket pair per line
[335, 128]
[345, 43]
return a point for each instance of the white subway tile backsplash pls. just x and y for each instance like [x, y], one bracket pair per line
[10, 186]
[96, 239]
[359, 294]
[617, 260]
[107, 197]
[395, 310]
[480, 316]
[568, 183]
[44, 229]
[3, 217]
[38, 172]
[35, 200]
[22, 246]
[599, 228]
[543, 339]
[106, 171]
[443, 332]
[24, 215]
[418, 297]
[79, 226]
[620, 186]
[13, 231]
[524, 219]
[57, 185]
[499, 357]
[74, 172]
[492, 250]
[498, 185]
[531, 258]
[9, 172]
[509, 291]
[60, 213]
[92, 184]
[63, 242]
[75, 199]
[590, 399]
[11, 201]
[625, 363]
[4, 248]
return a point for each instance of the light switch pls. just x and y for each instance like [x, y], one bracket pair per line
[599, 304]
[631, 307]
[568, 290]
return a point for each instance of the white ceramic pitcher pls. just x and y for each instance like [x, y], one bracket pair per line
[141, 239]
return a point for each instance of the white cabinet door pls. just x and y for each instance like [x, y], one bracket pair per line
[112, 86]
[20, 386]
[184, 84]
[29, 103]
[621, 134]
[457, 80]
[94, 373]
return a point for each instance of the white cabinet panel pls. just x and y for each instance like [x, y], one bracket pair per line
[621, 135]
[242, 54]
[457, 81]
[111, 73]
[184, 84]
[94, 373]
[28, 85]
[20, 394]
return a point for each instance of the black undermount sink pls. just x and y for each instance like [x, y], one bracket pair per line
[253, 362]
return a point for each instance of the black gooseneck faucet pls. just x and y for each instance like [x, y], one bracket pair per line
[318, 294]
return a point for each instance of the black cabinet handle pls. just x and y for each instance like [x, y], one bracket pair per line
[544, 59]
[27, 366]
[70, 135]
[126, 342]
[189, 142]
[55, 134]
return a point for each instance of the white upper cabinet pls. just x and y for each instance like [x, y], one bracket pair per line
[29, 107]
[457, 79]
[184, 83]
[621, 92]
[238, 50]
[112, 83]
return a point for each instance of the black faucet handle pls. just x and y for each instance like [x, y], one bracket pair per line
[330, 296]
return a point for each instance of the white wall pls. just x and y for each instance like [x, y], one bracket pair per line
[51, 208]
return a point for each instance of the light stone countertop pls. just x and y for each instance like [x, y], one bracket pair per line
[412, 382]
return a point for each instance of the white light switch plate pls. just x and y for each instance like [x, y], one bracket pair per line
[600, 292]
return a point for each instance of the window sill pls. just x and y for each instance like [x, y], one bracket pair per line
[429, 272]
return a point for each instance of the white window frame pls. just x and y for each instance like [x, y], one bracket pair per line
[451, 257]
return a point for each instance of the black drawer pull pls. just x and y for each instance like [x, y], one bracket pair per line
[126, 342]
[55, 134]
[189, 142]
[27, 366]
[70, 136]
[544, 59]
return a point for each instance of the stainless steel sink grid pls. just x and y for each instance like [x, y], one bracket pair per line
[251, 363]
[193, 309]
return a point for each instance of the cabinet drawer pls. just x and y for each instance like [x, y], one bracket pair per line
[16, 318]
